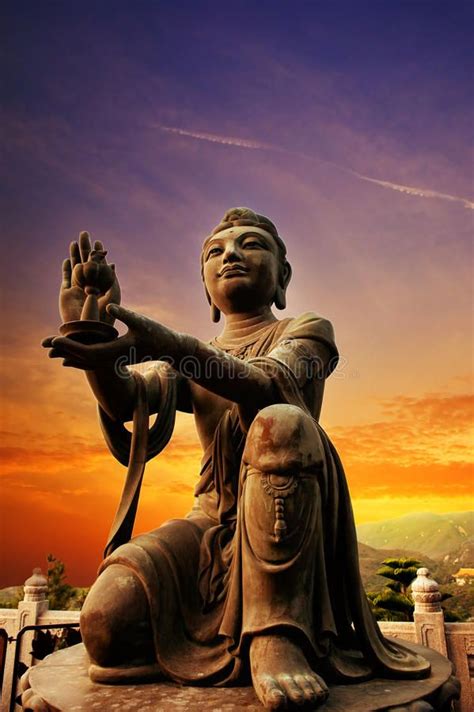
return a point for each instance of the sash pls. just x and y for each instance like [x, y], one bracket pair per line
[135, 449]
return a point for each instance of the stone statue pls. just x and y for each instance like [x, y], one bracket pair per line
[260, 580]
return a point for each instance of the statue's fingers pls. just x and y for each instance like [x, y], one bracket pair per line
[67, 269]
[70, 363]
[84, 246]
[98, 245]
[47, 342]
[63, 345]
[94, 353]
[127, 316]
[112, 296]
[55, 353]
[75, 254]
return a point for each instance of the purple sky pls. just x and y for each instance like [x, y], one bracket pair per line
[143, 121]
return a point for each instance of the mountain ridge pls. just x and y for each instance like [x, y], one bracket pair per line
[434, 535]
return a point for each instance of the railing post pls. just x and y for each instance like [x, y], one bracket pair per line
[34, 604]
[428, 614]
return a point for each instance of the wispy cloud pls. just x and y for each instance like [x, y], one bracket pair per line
[226, 140]
[418, 192]
[261, 146]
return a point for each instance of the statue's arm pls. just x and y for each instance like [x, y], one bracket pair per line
[244, 383]
[192, 359]
[307, 351]
[223, 374]
[115, 391]
[213, 369]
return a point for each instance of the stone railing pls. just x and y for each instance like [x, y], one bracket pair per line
[454, 640]
[32, 610]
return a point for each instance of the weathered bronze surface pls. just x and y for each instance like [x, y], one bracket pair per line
[260, 581]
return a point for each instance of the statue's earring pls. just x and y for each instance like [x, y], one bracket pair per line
[280, 298]
[215, 313]
[280, 294]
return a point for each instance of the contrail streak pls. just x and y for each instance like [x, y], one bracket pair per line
[213, 138]
[260, 146]
[420, 192]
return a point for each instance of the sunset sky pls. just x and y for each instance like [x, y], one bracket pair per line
[347, 123]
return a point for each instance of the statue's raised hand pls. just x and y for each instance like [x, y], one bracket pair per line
[72, 294]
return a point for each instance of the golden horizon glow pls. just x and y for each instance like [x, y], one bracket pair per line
[59, 476]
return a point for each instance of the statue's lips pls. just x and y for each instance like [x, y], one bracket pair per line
[233, 272]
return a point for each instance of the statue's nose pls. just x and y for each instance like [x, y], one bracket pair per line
[232, 254]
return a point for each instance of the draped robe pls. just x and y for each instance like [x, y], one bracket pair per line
[200, 572]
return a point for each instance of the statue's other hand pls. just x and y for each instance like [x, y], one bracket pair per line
[72, 295]
[89, 357]
[68, 360]
[145, 340]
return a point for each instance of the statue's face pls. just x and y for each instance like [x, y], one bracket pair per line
[241, 268]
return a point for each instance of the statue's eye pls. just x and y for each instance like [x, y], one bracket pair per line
[252, 244]
[214, 251]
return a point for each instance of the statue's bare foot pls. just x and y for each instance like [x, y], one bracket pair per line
[281, 675]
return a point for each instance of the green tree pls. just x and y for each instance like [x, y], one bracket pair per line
[388, 605]
[401, 572]
[61, 595]
[394, 601]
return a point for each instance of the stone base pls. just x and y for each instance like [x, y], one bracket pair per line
[61, 684]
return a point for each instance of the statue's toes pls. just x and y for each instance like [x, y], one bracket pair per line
[311, 692]
[294, 693]
[270, 693]
[319, 687]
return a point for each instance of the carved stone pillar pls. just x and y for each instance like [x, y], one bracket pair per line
[35, 590]
[428, 615]
[34, 604]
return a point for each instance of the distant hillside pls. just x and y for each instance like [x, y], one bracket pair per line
[10, 596]
[370, 560]
[462, 557]
[434, 535]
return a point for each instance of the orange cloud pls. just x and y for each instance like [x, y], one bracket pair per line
[432, 429]
[424, 445]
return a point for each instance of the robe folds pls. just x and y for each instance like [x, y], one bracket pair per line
[200, 573]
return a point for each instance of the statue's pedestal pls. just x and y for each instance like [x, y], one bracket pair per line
[61, 684]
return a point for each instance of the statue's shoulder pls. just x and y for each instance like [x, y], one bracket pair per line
[313, 327]
[310, 325]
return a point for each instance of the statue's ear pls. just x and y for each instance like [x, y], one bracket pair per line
[215, 311]
[283, 280]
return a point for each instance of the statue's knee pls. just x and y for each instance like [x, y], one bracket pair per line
[283, 438]
[114, 611]
[283, 454]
